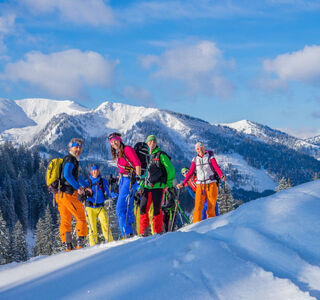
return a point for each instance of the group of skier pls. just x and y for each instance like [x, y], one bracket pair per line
[147, 185]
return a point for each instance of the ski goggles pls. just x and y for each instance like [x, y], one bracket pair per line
[184, 172]
[76, 143]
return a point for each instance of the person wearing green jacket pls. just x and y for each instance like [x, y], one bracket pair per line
[159, 178]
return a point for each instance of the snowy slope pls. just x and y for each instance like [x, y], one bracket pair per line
[266, 249]
[269, 135]
[38, 112]
[12, 116]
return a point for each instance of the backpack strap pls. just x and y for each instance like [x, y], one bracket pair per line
[101, 185]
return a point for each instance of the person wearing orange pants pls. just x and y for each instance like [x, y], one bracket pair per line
[209, 192]
[68, 205]
[207, 169]
[70, 186]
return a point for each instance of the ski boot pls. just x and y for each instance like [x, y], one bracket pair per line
[81, 242]
[68, 246]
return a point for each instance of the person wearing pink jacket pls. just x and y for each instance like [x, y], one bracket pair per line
[129, 168]
[205, 165]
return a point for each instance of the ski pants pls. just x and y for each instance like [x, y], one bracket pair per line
[204, 210]
[209, 192]
[93, 213]
[151, 196]
[137, 215]
[69, 206]
[125, 198]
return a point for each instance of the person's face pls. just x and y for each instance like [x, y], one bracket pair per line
[115, 144]
[76, 150]
[152, 145]
[95, 173]
[200, 150]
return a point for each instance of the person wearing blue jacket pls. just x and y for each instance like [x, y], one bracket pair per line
[95, 206]
[72, 185]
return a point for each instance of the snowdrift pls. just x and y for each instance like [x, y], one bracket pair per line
[266, 249]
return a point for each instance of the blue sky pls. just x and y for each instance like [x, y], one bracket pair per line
[222, 61]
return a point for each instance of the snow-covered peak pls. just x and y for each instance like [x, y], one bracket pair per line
[246, 126]
[121, 116]
[42, 110]
[12, 116]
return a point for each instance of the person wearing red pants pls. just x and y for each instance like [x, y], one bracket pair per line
[205, 165]
[159, 177]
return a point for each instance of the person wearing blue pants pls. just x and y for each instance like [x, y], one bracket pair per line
[130, 170]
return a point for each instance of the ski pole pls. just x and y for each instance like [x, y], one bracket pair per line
[184, 215]
[94, 239]
[175, 210]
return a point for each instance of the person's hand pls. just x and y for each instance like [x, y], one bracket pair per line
[141, 191]
[224, 178]
[165, 189]
[179, 186]
[88, 192]
[81, 191]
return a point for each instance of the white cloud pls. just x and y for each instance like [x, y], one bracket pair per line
[302, 66]
[63, 74]
[198, 65]
[6, 27]
[92, 12]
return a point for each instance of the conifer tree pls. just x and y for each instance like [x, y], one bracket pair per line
[19, 245]
[44, 235]
[4, 241]
[283, 184]
[225, 200]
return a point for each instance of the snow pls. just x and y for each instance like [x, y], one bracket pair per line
[268, 135]
[252, 179]
[39, 112]
[12, 116]
[266, 249]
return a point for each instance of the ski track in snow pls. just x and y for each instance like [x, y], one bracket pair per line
[266, 249]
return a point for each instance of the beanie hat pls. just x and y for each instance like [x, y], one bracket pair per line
[151, 138]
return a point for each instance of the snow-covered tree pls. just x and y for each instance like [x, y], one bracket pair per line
[283, 184]
[225, 200]
[4, 241]
[19, 244]
[44, 235]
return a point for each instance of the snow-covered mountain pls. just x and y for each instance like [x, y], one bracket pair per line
[314, 140]
[252, 165]
[272, 136]
[13, 116]
[266, 249]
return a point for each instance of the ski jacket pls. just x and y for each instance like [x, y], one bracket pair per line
[203, 166]
[70, 175]
[98, 189]
[129, 160]
[159, 166]
[192, 183]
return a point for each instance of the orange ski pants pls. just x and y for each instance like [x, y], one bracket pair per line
[69, 206]
[203, 191]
